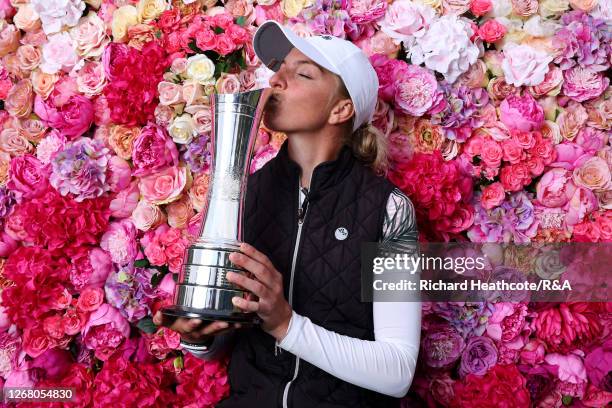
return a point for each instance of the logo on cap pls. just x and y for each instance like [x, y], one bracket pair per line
[327, 37]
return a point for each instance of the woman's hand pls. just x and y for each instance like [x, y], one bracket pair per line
[271, 306]
[194, 330]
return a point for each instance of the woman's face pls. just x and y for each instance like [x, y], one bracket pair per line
[303, 96]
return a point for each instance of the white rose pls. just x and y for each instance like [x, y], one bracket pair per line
[182, 129]
[501, 8]
[524, 65]
[149, 10]
[90, 36]
[201, 69]
[538, 28]
[54, 14]
[446, 47]
[123, 18]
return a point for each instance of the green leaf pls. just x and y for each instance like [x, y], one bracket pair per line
[141, 263]
[192, 46]
[241, 20]
[566, 400]
[178, 363]
[146, 325]
[218, 30]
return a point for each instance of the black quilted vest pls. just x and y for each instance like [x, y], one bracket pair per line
[326, 287]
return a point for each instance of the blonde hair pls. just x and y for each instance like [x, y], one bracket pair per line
[367, 142]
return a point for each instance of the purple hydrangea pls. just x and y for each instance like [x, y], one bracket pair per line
[80, 169]
[7, 200]
[468, 318]
[513, 221]
[328, 17]
[461, 113]
[583, 40]
[197, 154]
[130, 291]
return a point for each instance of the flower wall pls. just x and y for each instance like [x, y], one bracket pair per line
[497, 115]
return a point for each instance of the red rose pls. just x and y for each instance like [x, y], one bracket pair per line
[492, 31]
[36, 342]
[500, 386]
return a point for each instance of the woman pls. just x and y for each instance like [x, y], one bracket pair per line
[308, 210]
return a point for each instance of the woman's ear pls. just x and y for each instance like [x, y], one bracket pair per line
[341, 112]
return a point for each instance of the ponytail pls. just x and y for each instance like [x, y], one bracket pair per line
[369, 147]
[367, 142]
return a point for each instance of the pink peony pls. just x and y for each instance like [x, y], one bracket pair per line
[582, 84]
[105, 330]
[416, 90]
[125, 201]
[507, 321]
[521, 112]
[120, 242]
[28, 176]
[72, 119]
[162, 342]
[569, 367]
[555, 188]
[153, 150]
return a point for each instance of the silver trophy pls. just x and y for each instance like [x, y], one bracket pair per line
[202, 290]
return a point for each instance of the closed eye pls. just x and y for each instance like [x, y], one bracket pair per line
[305, 76]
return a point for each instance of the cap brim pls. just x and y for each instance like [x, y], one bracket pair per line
[272, 42]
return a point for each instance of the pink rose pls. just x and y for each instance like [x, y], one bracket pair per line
[28, 176]
[513, 152]
[146, 215]
[582, 84]
[153, 150]
[594, 174]
[35, 342]
[515, 176]
[72, 119]
[169, 93]
[164, 186]
[551, 85]
[120, 242]
[105, 330]
[480, 7]
[491, 153]
[555, 188]
[228, 83]
[521, 112]
[524, 65]
[91, 299]
[492, 195]
[225, 44]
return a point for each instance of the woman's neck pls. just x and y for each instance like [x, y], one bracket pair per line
[309, 153]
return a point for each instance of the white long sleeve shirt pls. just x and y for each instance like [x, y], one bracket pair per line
[388, 363]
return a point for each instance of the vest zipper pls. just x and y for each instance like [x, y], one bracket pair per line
[301, 217]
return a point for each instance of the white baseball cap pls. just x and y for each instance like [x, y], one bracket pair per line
[272, 42]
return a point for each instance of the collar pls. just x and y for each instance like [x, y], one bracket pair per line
[324, 176]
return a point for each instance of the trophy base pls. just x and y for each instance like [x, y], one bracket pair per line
[246, 319]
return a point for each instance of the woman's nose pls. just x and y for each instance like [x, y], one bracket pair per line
[277, 80]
